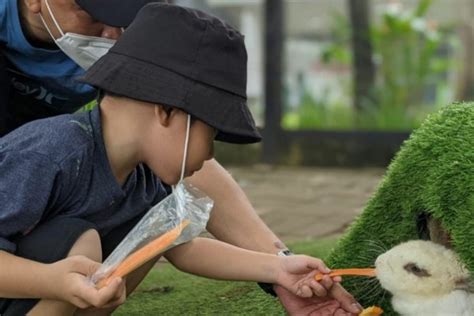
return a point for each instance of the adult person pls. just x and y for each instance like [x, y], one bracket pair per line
[38, 80]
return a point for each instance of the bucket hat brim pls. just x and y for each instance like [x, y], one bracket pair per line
[129, 77]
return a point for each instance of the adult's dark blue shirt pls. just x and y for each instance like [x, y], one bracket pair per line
[34, 82]
[58, 167]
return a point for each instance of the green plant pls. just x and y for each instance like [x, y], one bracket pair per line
[407, 47]
[410, 66]
[315, 113]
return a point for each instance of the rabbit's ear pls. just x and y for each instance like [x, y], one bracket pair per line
[422, 225]
[430, 228]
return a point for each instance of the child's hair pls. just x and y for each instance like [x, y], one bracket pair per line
[102, 94]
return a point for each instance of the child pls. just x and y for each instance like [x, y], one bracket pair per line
[76, 184]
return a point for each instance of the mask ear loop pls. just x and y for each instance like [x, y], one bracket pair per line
[186, 141]
[47, 28]
[54, 20]
[185, 154]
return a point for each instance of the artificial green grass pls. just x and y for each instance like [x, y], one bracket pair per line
[434, 173]
[167, 291]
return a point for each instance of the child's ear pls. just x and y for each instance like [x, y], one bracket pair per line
[34, 6]
[163, 114]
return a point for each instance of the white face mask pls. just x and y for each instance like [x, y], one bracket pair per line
[82, 49]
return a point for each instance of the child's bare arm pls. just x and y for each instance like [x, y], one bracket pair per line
[65, 280]
[218, 260]
[22, 278]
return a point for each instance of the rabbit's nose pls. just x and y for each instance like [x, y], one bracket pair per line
[378, 260]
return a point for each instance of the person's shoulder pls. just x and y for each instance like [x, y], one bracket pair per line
[3, 10]
[4, 4]
[58, 137]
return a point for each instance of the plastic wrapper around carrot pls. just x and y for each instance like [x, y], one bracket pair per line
[177, 219]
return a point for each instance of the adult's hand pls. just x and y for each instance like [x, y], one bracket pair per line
[338, 303]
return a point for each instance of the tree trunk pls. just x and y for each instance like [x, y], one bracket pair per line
[466, 86]
[363, 66]
[274, 38]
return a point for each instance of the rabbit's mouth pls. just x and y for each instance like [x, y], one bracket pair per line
[430, 228]
[465, 284]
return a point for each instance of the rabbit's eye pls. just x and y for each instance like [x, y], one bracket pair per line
[416, 270]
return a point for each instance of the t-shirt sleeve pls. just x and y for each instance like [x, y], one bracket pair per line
[27, 184]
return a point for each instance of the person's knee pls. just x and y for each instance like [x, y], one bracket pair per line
[89, 245]
[137, 276]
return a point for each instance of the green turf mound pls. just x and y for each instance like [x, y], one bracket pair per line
[433, 173]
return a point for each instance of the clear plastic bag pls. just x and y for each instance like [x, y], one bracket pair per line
[184, 213]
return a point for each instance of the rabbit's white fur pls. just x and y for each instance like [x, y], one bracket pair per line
[426, 279]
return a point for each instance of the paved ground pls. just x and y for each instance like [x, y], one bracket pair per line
[306, 203]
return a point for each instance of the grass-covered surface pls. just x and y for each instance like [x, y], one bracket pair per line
[434, 173]
[167, 291]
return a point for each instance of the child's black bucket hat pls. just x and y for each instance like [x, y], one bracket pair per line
[184, 58]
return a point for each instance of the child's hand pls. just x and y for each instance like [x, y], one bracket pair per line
[70, 282]
[297, 276]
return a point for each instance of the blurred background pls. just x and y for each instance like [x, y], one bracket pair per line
[343, 82]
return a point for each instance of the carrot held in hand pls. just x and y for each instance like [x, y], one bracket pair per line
[370, 272]
[372, 311]
[144, 254]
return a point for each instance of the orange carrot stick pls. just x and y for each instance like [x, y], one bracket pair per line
[370, 272]
[144, 254]
[372, 311]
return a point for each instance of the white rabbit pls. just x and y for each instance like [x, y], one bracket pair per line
[426, 279]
